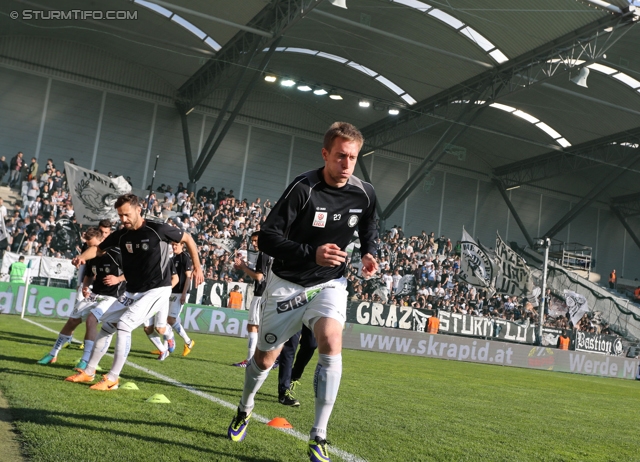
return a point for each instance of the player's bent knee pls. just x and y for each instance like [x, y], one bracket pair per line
[148, 330]
[265, 359]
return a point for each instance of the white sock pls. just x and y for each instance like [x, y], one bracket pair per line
[254, 377]
[326, 383]
[177, 327]
[253, 341]
[62, 340]
[168, 333]
[100, 348]
[123, 345]
[88, 348]
[157, 341]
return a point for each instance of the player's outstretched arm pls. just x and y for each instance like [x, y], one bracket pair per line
[91, 252]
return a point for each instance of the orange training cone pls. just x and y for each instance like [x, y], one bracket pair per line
[280, 422]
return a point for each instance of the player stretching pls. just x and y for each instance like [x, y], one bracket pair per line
[145, 257]
[263, 265]
[108, 284]
[306, 233]
[183, 266]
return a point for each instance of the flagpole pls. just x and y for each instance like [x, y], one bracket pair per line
[543, 300]
[26, 288]
[153, 179]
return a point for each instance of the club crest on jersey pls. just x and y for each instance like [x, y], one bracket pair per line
[107, 269]
[320, 219]
[94, 270]
[353, 220]
[145, 246]
[129, 247]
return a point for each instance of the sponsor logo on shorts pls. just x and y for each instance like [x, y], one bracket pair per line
[270, 338]
[353, 220]
[297, 301]
[320, 219]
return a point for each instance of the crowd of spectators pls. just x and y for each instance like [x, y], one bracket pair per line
[421, 271]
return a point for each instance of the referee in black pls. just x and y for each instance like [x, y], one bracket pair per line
[306, 233]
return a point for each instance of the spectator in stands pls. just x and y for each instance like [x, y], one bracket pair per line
[612, 279]
[4, 168]
[32, 170]
[16, 170]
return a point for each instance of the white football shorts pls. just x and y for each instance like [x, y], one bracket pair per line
[94, 303]
[133, 309]
[286, 306]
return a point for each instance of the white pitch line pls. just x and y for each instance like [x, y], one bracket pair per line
[339, 452]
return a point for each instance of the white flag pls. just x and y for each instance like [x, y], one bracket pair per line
[476, 267]
[93, 194]
[514, 276]
[577, 305]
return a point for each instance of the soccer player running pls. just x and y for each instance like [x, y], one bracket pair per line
[145, 256]
[259, 274]
[105, 272]
[306, 233]
[183, 266]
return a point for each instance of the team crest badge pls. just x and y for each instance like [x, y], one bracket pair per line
[107, 270]
[320, 219]
[129, 247]
[145, 246]
[353, 220]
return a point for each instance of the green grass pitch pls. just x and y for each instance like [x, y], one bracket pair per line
[390, 407]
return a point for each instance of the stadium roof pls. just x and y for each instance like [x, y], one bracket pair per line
[488, 81]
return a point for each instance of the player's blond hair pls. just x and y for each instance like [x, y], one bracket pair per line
[342, 130]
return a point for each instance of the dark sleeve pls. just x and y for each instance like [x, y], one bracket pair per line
[111, 240]
[368, 226]
[273, 234]
[188, 263]
[259, 264]
[169, 233]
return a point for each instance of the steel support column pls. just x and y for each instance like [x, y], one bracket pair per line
[435, 154]
[247, 91]
[514, 212]
[367, 178]
[590, 197]
[626, 225]
[187, 143]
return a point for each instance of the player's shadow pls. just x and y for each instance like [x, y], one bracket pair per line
[24, 338]
[31, 373]
[61, 419]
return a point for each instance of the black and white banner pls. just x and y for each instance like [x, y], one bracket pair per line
[596, 343]
[514, 276]
[576, 304]
[478, 326]
[476, 268]
[93, 194]
[57, 268]
[216, 293]
[377, 314]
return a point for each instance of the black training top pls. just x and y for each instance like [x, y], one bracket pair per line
[263, 266]
[108, 264]
[181, 263]
[311, 213]
[145, 254]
